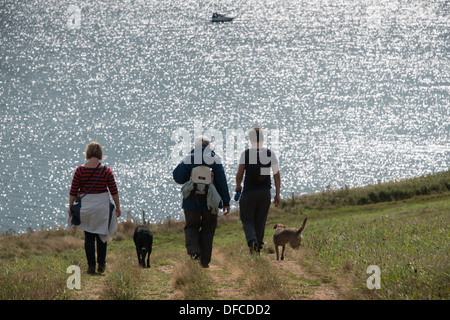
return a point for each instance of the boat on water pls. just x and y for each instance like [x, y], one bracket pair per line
[217, 17]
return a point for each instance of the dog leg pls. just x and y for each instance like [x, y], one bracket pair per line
[276, 250]
[148, 260]
[139, 256]
[282, 251]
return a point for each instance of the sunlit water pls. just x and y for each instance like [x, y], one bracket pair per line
[355, 92]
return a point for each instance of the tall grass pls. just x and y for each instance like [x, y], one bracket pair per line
[410, 244]
[263, 281]
[381, 192]
[256, 276]
[121, 285]
[193, 282]
[38, 278]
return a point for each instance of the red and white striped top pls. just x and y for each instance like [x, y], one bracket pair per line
[105, 181]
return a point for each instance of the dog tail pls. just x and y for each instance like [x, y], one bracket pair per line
[143, 251]
[303, 226]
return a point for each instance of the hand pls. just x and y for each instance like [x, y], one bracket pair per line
[118, 212]
[69, 212]
[238, 188]
[226, 210]
[276, 200]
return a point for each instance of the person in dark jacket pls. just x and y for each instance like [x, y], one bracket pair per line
[200, 221]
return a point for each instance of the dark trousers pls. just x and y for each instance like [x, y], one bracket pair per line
[89, 247]
[253, 209]
[199, 233]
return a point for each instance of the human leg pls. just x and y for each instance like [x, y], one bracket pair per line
[101, 254]
[89, 248]
[208, 228]
[191, 232]
[247, 216]
[262, 210]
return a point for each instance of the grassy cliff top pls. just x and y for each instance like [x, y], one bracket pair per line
[401, 227]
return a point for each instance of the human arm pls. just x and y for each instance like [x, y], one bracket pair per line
[181, 173]
[220, 182]
[226, 210]
[240, 172]
[239, 177]
[277, 180]
[74, 189]
[117, 204]
[112, 186]
[71, 201]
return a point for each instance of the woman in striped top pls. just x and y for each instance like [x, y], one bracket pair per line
[95, 217]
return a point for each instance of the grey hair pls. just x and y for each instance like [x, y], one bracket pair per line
[201, 141]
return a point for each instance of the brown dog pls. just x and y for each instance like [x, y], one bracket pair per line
[283, 235]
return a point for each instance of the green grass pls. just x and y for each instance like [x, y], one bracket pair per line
[34, 278]
[378, 193]
[405, 231]
[409, 241]
[194, 282]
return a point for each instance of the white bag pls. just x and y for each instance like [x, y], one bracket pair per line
[202, 174]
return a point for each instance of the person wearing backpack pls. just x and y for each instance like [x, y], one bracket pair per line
[255, 199]
[204, 190]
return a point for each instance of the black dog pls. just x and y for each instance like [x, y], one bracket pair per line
[143, 239]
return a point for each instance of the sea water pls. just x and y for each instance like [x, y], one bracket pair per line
[349, 93]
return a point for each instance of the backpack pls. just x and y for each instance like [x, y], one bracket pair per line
[201, 175]
[254, 171]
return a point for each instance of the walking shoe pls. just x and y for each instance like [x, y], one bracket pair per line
[260, 247]
[253, 247]
[195, 256]
[101, 268]
[91, 270]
